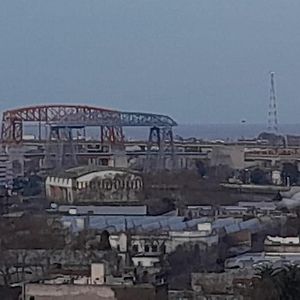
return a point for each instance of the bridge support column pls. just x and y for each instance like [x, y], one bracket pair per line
[60, 149]
[160, 147]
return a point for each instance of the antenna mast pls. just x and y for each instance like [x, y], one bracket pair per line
[272, 113]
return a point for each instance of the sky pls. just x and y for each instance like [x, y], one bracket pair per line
[199, 61]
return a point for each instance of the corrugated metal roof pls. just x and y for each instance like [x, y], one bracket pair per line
[232, 228]
[133, 210]
[222, 222]
[194, 222]
[120, 223]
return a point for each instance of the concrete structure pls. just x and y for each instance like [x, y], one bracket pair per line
[93, 287]
[238, 242]
[145, 261]
[201, 238]
[6, 174]
[84, 185]
[259, 207]
[282, 244]
[34, 262]
[290, 198]
[157, 244]
[276, 177]
[271, 157]
[40, 291]
[97, 273]
[139, 244]
[231, 156]
[225, 284]
[197, 211]
[244, 208]
[253, 260]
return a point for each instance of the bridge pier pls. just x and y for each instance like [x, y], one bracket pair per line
[160, 147]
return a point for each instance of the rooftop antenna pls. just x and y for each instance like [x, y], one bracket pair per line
[272, 113]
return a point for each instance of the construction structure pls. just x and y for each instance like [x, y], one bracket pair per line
[272, 113]
[61, 127]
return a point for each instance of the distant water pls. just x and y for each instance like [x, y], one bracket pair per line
[229, 132]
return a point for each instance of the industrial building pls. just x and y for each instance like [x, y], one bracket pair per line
[94, 185]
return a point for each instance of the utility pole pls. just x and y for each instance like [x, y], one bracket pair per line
[272, 112]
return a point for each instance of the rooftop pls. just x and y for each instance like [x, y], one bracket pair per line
[137, 210]
[83, 170]
[282, 240]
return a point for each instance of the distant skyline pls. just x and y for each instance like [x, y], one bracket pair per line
[200, 61]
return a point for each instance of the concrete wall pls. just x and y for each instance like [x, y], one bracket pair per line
[119, 242]
[59, 189]
[68, 292]
[282, 248]
[160, 244]
[148, 244]
[192, 237]
[97, 273]
[145, 261]
[231, 156]
[94, 292]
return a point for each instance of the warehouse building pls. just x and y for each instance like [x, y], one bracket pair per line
[94, 185]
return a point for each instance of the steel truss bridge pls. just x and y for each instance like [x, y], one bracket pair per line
[62, 119]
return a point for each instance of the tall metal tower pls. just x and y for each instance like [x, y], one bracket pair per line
[272, 113]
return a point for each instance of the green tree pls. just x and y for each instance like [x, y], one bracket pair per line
[290, 171]
[258, 176]
[277, 283]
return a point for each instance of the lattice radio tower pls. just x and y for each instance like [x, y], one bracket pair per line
[272, 113]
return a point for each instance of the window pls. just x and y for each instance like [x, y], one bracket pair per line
[147, 248]
[31, 298]
[154, 248]
[135, 248]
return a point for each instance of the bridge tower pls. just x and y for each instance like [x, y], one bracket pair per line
[60, 149]
[160, 149]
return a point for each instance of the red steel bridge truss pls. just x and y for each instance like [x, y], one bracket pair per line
[74, 116]
[61, 119]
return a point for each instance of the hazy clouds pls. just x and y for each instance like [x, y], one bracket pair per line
[199, 61]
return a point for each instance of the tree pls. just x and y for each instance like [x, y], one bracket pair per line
[277, 283]
[258, 176]
[104, 241]
[290, 171]
[201, 169]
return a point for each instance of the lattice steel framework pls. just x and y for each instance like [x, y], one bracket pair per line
[272, 113]
[160, 142]
[110, 121]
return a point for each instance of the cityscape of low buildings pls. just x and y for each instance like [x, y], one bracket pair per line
[169, 219]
